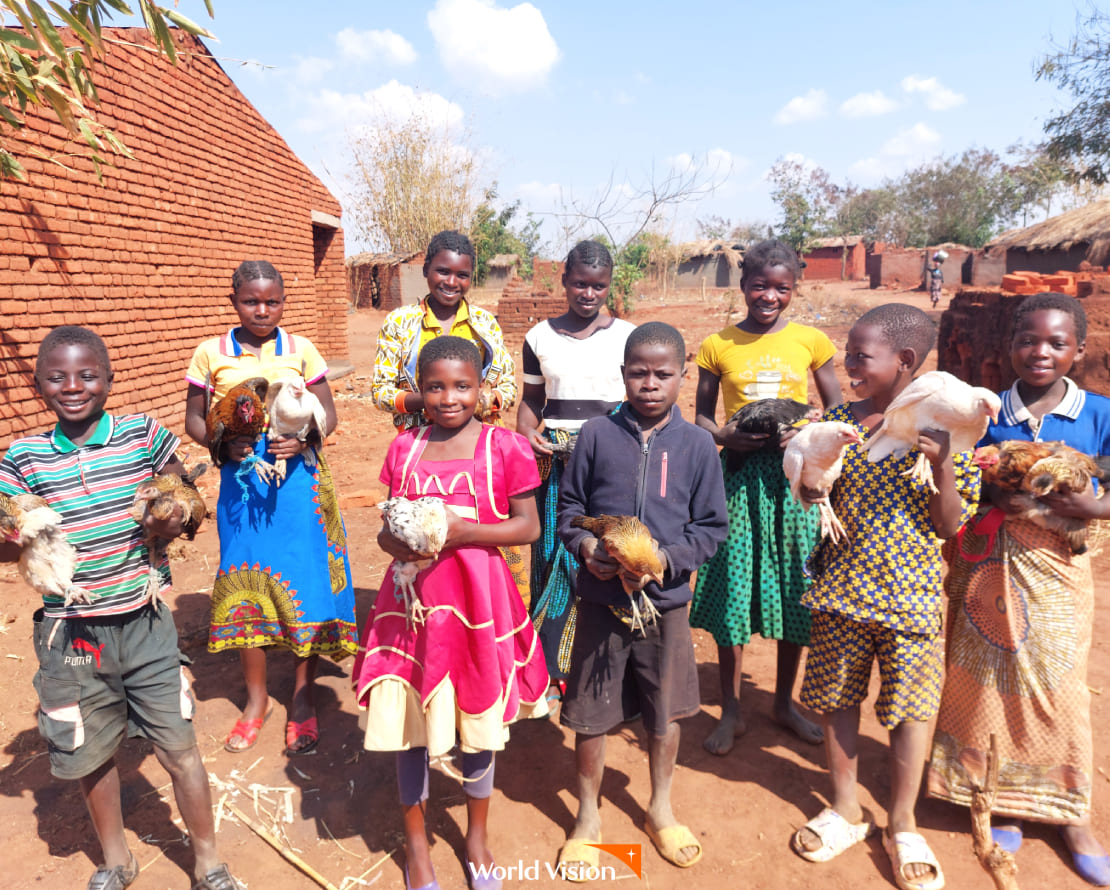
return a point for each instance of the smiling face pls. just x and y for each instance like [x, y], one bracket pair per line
[1045, 347]
[767, 292]
[587, 288]
[652, 376]
[74, 385]
[259, 304]
[450, 388]
[448, 275]
[872, 363]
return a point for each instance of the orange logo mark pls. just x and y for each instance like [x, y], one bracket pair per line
[629, 854]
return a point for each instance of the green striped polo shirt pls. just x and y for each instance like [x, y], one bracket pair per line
[92, 486]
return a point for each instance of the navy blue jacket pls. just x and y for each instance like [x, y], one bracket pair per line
[672, 483]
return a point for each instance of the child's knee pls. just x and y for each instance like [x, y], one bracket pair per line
[180, 763]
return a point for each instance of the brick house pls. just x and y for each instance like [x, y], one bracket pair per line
[145, 257]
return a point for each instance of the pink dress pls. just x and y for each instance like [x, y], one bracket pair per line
[475, 665]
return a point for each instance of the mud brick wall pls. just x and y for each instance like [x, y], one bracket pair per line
[824, 263]
[145, 257]
[974, 340]
[524, 304]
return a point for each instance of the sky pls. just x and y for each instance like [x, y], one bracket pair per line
[559, 99]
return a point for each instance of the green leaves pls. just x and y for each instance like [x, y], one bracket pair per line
[46, 63]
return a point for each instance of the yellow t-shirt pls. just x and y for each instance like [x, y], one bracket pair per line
[221, 363]
[764, 366]
[431, 328]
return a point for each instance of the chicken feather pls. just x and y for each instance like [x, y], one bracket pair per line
[47, 561]
[420, 524]
[627, 540]
[295, 411]
[813, 459]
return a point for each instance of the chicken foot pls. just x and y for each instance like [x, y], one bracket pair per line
[831, 526]
[922, 471]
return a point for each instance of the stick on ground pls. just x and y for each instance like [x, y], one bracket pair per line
[999, 864]
[283, 849]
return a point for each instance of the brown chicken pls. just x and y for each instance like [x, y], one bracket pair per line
[240, 413]
[47, 560]
[165, 497]
[1030, 470]
[629, 542]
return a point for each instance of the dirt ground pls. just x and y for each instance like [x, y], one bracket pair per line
[342, 801]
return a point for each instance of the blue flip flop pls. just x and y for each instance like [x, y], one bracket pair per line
[1092, 869]
[1009, 839]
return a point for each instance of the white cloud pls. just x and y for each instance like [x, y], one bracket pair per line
[803, 108]
[867, 104]
[536, 194]
[393, 101]
[916, 141]
[375, 46]
[500, 50]
[312, 70]
[937, 96]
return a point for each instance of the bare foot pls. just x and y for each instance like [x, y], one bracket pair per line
[1080, 839]
[730, 727]
[806, 730]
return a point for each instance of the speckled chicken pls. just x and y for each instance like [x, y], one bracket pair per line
[420, 524]
[295, 411]
[240, 413]
[772, 417]
[165, 497]
[813, 459]
[1031, 470]
[47, 560]
[934, 401]
[629, 542]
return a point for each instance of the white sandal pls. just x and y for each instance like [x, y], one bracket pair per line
[837, 834]
[908, 848]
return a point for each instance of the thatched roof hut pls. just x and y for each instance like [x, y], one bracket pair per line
[1060, 242]
[713, 262]
[384, 280]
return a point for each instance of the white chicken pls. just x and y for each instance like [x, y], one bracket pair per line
[813, 459]
[47, 560]
[421, 524]
[934, 401]
[294, 411]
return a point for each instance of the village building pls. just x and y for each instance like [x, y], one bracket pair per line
[386, 280]
[1058, 243]
[145, 256]
[501, 270]
[843, 258]
[709, 263]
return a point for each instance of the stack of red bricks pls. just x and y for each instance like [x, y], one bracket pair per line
[526, 303]
[1074, 284]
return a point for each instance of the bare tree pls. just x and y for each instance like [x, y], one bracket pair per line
[411, 179]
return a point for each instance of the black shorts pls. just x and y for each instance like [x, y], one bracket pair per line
[102, 678]
[617, 675]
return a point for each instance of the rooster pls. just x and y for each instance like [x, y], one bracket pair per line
[813, 459]
[295, 411]
[239, 414]
[1031, 470]
[629, 542]
[421, 525]
[934, 401]
[47, 560]
[162, 498]
[772, 417]
[488, 409]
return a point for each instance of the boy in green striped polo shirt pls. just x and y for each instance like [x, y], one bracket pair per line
[108, 667]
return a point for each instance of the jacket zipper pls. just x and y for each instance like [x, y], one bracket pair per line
[641, 485]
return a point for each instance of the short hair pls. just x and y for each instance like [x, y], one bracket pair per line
[72, 335]
[455, 242]
[255, 270]
[903, 327]
[656, 333]
[766, 254]
[588, 253]
[1059, 302]
[448, 348]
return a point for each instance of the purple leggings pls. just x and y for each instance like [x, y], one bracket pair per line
[412, 775]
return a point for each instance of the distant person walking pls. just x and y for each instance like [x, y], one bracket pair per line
[936, 276]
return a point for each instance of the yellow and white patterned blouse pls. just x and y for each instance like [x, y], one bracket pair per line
[889, 570]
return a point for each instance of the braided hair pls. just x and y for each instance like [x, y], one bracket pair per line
[452, 241]
[767, 254]
[592, 254]
[72, 335]
[1059, 302]
[255, 270]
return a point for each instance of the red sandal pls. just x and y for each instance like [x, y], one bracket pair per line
[295, 731]
[247, 730]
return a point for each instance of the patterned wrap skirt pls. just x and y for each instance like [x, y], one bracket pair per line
[1020, 608]
[284, 576]
[754, 582]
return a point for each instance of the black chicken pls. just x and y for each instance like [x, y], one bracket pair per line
[772, 417]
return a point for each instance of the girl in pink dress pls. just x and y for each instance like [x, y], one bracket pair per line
[473, 665]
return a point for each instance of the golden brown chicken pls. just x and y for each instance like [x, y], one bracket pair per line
[1030, 470]
[47, 560]
[165, 497]
[627, 540]
[240, 413]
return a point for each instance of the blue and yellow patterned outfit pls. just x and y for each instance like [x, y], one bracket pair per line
[879, 592]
